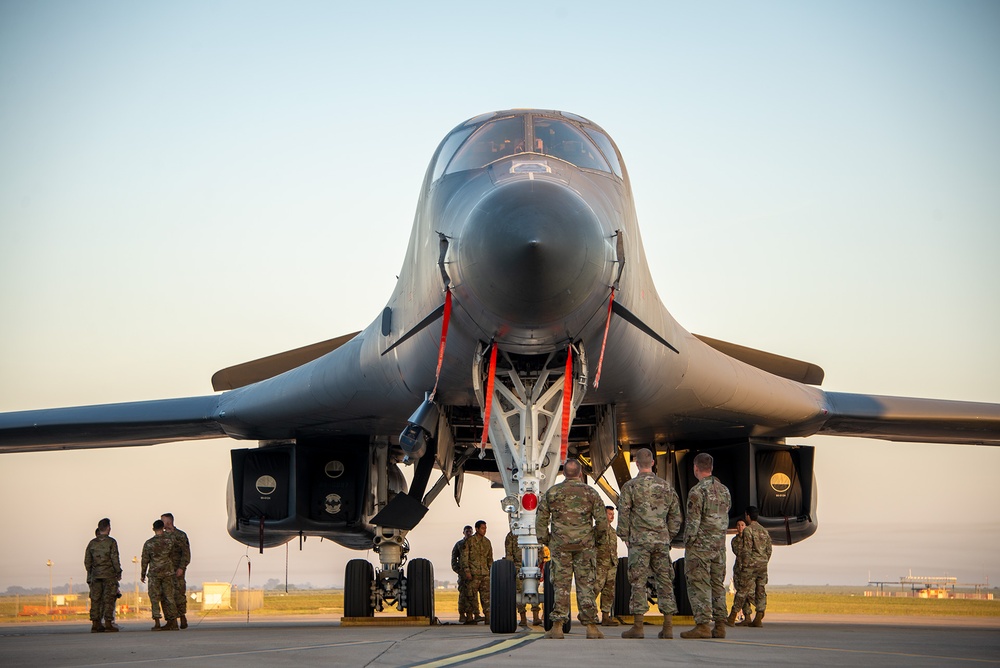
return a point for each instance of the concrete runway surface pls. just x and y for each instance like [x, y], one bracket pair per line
[786, 640]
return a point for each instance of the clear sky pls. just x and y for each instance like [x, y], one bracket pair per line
[189, 185]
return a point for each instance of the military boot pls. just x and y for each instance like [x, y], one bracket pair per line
[719, 630]
[486, 618]
[758, 620]
[109, 625]
[699, 631]
[556, 632]
[731, 620]
[156, 624]
[184, 621]
[745, 621]
[461, 618]
[171, 625]
[536, 619]
[594, 633]
[96, 627]
[524, 619]
[636, 631]
[608, 620]
[667, 632]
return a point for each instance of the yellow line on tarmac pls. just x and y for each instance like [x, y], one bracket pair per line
[472, 655]
[859, 651]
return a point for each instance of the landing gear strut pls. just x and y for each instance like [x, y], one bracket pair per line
[526, 431]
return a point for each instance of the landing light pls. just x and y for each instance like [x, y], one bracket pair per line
[529, 501]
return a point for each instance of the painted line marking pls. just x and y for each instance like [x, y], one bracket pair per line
[472, 655]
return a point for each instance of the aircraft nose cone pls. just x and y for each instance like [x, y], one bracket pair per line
[533, 251]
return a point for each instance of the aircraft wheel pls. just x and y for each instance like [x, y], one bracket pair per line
[503, 596]
[681, 589]
[420, 589]
[623, 590]
[358, 580]
[549, 601]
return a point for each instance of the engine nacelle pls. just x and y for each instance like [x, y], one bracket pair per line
[309, 488]
[776, 478]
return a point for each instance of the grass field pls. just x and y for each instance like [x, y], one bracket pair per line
[794, 600]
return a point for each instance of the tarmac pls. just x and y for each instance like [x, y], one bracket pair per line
[785, 640]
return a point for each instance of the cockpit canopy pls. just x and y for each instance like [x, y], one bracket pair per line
[486, 139]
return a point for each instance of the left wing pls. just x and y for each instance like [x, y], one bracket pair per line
[912, 420]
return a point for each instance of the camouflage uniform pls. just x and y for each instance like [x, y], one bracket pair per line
[477, 558]
[157, 555]
[739, 573]
[607, 572]
[464, 597]
[513, 553]
[579, 525]
[649, 516]
[181, 558]
[755, 552]
[705, 549]
[104, 570]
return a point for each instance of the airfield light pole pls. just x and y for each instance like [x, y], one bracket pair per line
[135, 561]
[48, 605]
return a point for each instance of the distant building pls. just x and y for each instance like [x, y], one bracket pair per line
[931, 586]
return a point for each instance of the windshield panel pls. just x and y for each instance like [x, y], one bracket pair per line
[608, 149]
[562, 140]
[448, 149]
[494, 140]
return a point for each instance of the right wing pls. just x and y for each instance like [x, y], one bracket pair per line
[109, 425]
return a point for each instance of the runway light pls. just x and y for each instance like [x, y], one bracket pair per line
[529, 501]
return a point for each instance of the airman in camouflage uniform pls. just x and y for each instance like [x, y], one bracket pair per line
[707, 520]
[649, 516]
[578, 528]
[477, 558]
[465, 611]
[104, 570]
[739, 575]
[181, 558]
[607, 571]
[513, 553]
[157, 558]
[755, 552]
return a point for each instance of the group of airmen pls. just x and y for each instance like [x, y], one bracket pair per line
[165, 558]
[575, 529]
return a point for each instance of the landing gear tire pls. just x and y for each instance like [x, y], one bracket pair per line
[681, 589]
[549, 600]
[623, 590]
[358, 579]
[503, 596]
[420, 589]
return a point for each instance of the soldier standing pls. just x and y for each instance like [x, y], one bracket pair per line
[181, 558]
[705, 550]
[578, 526]
[104, 570]
[649, 518]
[738, 576]
[465, 611]
[607, 571]
[157, 557]
[756, 552]
[477, 558]
[513, 553]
